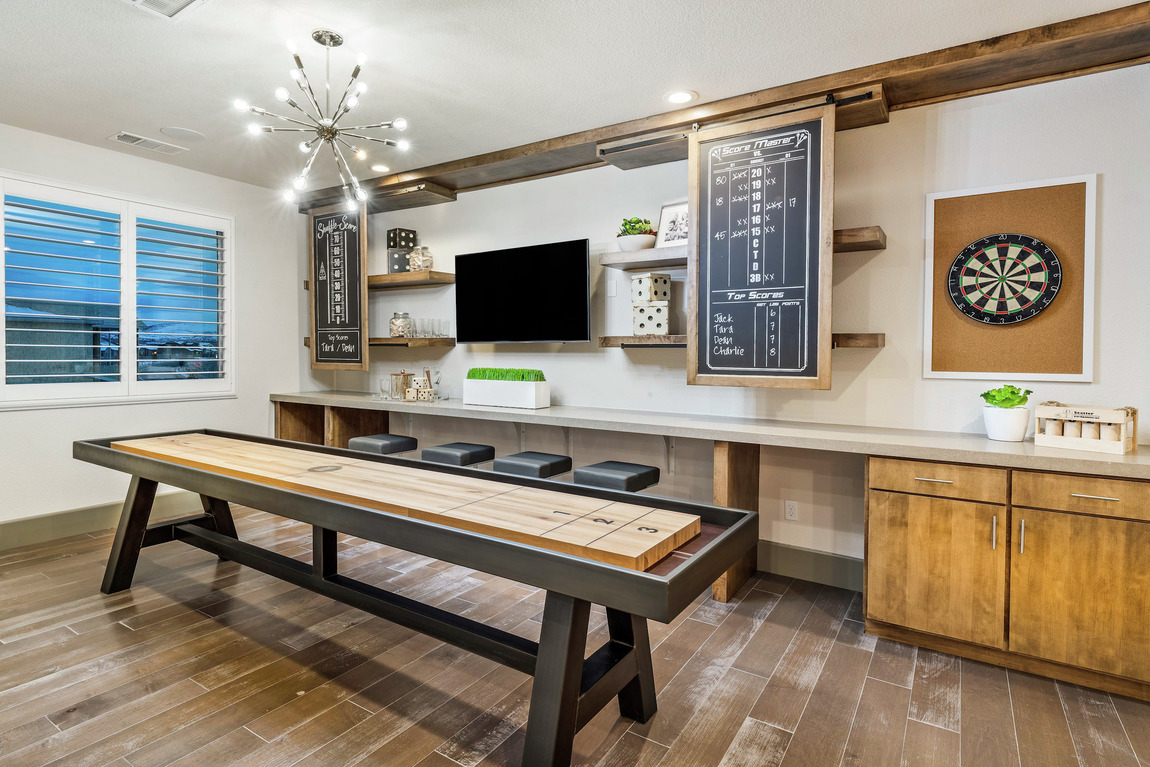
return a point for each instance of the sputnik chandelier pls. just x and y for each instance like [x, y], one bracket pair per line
[324, 123]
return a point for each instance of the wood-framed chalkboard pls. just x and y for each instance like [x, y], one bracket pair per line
[759, 252]
[337, 268]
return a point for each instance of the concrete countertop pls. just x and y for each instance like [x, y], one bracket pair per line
[896, 443]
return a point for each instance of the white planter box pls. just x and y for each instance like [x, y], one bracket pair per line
[525, 394]
[1005, 424]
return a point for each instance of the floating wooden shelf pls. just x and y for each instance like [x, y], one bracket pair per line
[838, 341]
[409, 342]
[859, 238]
[858, 340]
[626, 342]
[420, 279]
[670, 257]
[675, 256]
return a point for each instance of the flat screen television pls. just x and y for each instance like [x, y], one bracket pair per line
[538, 293]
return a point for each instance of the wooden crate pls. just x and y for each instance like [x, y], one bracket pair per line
[1117, 427]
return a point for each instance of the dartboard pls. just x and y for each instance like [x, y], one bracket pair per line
[1004, 278]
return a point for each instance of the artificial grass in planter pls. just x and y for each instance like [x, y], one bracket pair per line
[505, 374]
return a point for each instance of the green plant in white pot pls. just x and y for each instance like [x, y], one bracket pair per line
[1006, 414]
[636, 234]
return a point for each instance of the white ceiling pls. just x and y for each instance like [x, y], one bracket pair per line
[471, 76]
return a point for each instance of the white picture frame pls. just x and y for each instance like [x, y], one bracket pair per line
[674, 225]
[1087, 374]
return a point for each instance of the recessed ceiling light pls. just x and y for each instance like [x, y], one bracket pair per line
[681, 97]
[187, 134]
[380, 168]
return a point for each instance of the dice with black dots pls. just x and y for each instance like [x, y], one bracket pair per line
[651, 318]
[651, 286]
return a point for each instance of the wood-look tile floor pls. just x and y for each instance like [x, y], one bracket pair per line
[205, 663]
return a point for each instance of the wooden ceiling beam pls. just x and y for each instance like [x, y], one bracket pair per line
[1102, 41]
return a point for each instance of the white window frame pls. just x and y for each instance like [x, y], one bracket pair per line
[128, 389]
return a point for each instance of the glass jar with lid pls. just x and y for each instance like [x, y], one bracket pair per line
[400, 326]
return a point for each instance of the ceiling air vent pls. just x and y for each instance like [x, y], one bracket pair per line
[131, 139]
[169, 9]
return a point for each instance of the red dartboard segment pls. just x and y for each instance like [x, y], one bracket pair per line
[1004, 278]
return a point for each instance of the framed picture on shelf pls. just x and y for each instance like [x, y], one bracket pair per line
[673, 225]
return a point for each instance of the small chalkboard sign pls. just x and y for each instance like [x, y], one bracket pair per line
[338, 283]
[761, 195]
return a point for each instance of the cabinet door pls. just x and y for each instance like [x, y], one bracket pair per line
[937, 565]
[1080, 591]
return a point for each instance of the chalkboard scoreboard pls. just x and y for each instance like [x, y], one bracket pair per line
[338, 285]
[759, 279]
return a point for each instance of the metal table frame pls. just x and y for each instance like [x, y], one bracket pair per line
[568, 690]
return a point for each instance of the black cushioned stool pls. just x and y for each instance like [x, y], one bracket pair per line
[532, 464]
[459, 453]
[617, 475]
[384, 444]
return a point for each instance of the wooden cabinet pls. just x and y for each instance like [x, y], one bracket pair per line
[937, 565]
[1080, 591]
[942, 539]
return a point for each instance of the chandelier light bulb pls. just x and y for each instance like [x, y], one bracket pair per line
[403, 145]
[399, 123]
[282, 94]
[241, 105]
[292, 47]
[361, 87]
[289, 195]
[300, 182]
[360, 194]
[361, 59]
[254, 129]
[351, 204]
[360, 154]
[352, 102]
[304, 147]
[295, 74]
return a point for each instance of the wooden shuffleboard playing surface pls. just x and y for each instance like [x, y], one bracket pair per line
[635, 536]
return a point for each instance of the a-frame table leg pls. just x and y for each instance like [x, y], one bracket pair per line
[637, 699]
[554, 714]
[129, 535]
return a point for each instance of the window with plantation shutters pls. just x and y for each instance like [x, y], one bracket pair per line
[111, 300]
[180, 301]
[62, 293]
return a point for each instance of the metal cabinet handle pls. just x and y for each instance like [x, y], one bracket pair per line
[1021, 536]
[940, 481]
[1094, 497]
[994, 532]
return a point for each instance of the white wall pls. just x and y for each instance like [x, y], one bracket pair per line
[1095, 124]
[37, 473]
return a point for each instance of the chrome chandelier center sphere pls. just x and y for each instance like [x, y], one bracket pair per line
[323, 123]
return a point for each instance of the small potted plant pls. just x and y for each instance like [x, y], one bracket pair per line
[636, 234]
[1005, 413]
[506, 387]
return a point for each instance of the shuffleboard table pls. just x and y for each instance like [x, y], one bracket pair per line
[640, 557]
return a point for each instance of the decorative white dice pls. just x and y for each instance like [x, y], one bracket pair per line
[651, 318]
[651, 286]
[423, 395]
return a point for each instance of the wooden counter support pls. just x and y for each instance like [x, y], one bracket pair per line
[736, 486]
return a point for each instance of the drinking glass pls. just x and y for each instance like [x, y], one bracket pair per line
[437, 383]
[384, 388]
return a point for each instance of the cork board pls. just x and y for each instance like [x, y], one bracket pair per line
[1054, 345]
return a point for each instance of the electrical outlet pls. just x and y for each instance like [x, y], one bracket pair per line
[612, 291]
[791, 510]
